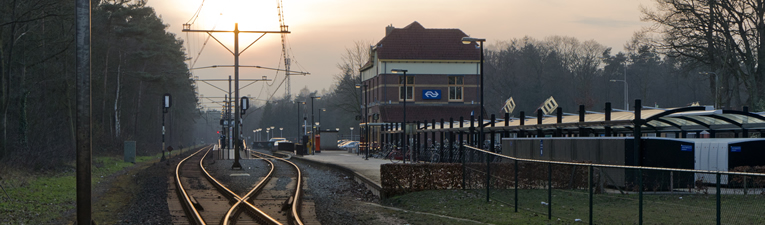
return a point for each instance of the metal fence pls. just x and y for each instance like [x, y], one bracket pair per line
[613, 194]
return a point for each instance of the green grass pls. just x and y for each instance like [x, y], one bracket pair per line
[459, 204]
[43, 198]
[677, 208]
[569, 205]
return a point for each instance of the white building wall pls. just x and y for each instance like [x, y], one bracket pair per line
[445, 68]
[451, 68]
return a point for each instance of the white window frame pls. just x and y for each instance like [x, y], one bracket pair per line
[456, 85]
[409, 87]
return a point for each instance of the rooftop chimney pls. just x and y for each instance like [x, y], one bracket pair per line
[388, 29]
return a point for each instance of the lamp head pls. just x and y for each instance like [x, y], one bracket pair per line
[468, 40]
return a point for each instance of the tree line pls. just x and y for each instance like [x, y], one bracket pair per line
[134, 63]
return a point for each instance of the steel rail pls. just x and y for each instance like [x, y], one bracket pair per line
[255, 210]
[187, 202]
[249, 194]
[297, 200]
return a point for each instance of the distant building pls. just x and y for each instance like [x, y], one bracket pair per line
[442, 77]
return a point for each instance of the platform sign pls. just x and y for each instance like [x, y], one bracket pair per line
[509, 105]
[431, 94]
[541, 147]
[549, 106]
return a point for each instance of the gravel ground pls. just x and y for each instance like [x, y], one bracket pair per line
[149, 204]
[340, 200]
[337, 198]
[221, 170]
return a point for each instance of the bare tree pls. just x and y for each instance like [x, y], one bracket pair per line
[726, 36]
[355, 57]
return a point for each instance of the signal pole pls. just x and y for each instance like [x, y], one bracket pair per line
[236, 53]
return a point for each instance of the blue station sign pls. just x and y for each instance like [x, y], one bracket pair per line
[431, 94]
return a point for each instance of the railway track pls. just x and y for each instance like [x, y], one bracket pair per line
[281, 196]
[207, 201]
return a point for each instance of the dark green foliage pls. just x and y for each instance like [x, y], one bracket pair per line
[134, 61]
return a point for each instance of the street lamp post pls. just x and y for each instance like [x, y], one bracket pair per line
[281, 131]
[313, 134]
[351, 133]
[717, 89]
[297, 135]
[366, 121]
[626, 93]
[406, 94]
[321, 110]
[468, 40]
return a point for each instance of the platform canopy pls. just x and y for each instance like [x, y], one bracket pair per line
[653, 120]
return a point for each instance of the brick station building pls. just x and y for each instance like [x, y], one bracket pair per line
[442, 77]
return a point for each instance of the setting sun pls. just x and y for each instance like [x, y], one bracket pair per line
[251, 15]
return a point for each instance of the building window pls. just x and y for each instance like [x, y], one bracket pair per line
[455, 87]
[409, 88]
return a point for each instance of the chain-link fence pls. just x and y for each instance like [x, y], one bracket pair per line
[613, 194]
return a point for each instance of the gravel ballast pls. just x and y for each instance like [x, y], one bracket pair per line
[338, 199]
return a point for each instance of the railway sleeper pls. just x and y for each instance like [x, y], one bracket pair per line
[196, 204]
[287, 204]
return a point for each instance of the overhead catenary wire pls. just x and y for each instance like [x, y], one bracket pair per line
[196, 14]
[191, 21]
[283, 58]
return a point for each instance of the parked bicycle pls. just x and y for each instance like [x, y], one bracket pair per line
[434, 157]
[398, 155]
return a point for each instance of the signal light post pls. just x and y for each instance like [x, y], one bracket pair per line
[166, 103]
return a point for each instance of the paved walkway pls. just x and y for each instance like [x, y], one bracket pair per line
[367, 171]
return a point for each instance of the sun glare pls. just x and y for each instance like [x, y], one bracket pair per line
[249, 14]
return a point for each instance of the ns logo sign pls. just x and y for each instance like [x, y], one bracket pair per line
[431, 94]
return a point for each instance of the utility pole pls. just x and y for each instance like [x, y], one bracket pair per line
[84, 132]
[236, 53]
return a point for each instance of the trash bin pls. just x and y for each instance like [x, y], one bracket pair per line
[300, 149]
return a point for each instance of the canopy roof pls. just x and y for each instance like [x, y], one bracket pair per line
[686, 119]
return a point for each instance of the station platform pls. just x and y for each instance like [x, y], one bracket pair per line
[366, 172]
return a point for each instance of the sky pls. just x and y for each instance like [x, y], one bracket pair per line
[321, 30]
